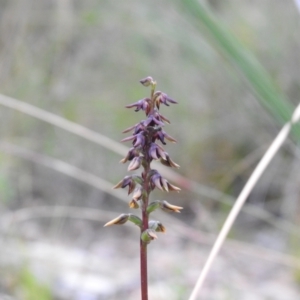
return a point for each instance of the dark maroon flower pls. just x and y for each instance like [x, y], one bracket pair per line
[161, 183]
[160, 97]
[152, 121]
[137, 128]
[126, 181]
[167, 161]
[162, 135]
[160, 117]
[137, 139]
[156, 151]
[133, 152]
[135, 163]
[141, 104]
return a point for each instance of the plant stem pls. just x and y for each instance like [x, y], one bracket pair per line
[145, 217]
[143, 245]
[144, 272]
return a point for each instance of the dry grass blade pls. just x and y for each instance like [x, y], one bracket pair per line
[65, 168]
[63, 123]
[28, 213]
[259, 170]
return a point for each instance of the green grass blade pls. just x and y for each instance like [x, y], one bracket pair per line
[262, 84]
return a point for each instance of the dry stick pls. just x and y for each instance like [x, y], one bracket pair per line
[118, 148]
[260, 168]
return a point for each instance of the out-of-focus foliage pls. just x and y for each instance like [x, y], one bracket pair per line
[30, 288]
[259, 79]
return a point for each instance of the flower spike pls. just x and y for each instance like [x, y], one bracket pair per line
[145, 148]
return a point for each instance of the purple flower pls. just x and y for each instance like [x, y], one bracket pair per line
[141, 104]
[135, 163]
[156, 152]
[160, 117]
[162, 135]
[126, 181]
[160, 97]
[147, 81]
[152, 121]
[167, 161]
[161, 183]
[138, 139]
[137, 128]
[132, 153]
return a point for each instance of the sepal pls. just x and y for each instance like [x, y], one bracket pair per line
[133, 204]
[153, 206]
[166, 206]
[120, 220]
[148, 235]
[135, 220]
[157, 226]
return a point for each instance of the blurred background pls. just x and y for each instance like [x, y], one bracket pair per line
[232, 65]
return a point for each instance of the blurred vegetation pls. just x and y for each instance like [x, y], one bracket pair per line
[232, 65]
[31, 288]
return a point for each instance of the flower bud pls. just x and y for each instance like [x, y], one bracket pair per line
[137, 194]
[157, 226]
[147, 81]
[148, 235]
[120, 220]
[166, 206]
[134, 204]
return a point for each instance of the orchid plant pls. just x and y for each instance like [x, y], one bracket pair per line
[144, 150]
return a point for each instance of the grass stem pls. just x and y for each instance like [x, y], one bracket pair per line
[255, 176]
